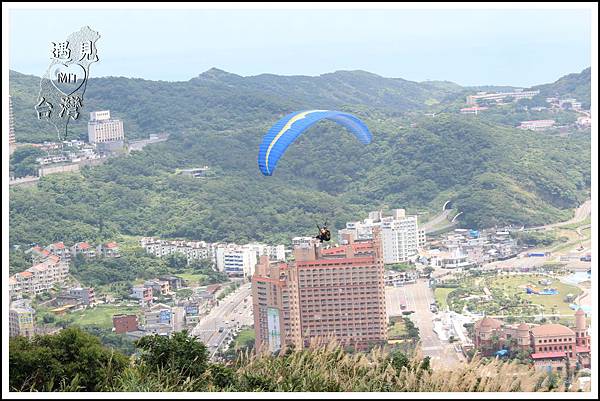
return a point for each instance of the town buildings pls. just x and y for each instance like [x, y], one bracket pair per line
[399, 278]
[236, 260]
[191, 249]
[40, 278]
[233, 259]
[109, 250]
[143, 293]
[158, 319]
[472, 110]
[400, 234]
[324, 293]
[161, 287]
[550, 346]
[197, 172]
[85, 295]
[537, 125]
[59, 249]
[84, 249]
[453, 259]
[104, 130]
[481, 97]
[21, 319]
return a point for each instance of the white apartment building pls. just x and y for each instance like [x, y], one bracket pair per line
[400, 234]
[537, 125]
[39, 278]
[516, 95]
[191, 249]
[302, 241]
[236, 260]
[233, 259]
[274, 252]
[102, 128]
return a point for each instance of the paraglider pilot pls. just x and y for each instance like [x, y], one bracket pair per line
[324, 234]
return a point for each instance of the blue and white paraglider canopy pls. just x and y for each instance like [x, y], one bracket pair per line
[286, 130]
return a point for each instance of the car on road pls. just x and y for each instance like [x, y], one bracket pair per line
[221, 329]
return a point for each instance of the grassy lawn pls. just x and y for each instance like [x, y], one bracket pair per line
[128, 242]
[191, 278]
[244, 337]
[441, 294]
[511, 286]
[101, 315]
[397, 330]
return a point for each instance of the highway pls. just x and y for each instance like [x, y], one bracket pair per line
[231, 313]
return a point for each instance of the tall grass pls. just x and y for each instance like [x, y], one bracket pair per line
[329, 368]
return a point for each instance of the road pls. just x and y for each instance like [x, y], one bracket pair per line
[231, 313]
[418, 298]
[437, 223]
[581, 213]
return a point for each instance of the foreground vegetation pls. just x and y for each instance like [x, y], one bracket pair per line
[73, 360]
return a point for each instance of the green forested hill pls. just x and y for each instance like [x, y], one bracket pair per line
[496, 174]
[572, 85]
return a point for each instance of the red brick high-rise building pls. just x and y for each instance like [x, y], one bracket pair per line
[335, 292]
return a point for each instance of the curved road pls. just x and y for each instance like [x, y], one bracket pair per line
[434, 224]
[581, 213]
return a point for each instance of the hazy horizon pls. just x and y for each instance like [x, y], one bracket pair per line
[314, 76]
[519, 48]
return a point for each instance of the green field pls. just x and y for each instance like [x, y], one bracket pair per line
[513, 286]
[101, 315]
[441, 294]
[243, 338]
[398, 330]
[192, 278]
[128, 242]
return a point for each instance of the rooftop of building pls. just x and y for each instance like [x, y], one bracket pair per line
[551, 330]
[488, 323]
[546, 355]
[21, 309]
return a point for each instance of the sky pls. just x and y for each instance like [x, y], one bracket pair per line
[469, 47]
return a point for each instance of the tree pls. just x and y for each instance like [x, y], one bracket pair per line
[23, 161]
[71, 356]
[179, 352]
[177, 261]
[399, 360]
[184, 293]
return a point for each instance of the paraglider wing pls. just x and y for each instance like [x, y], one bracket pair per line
[286, 130]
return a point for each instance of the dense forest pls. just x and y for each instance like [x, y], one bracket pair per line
[495, 173]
